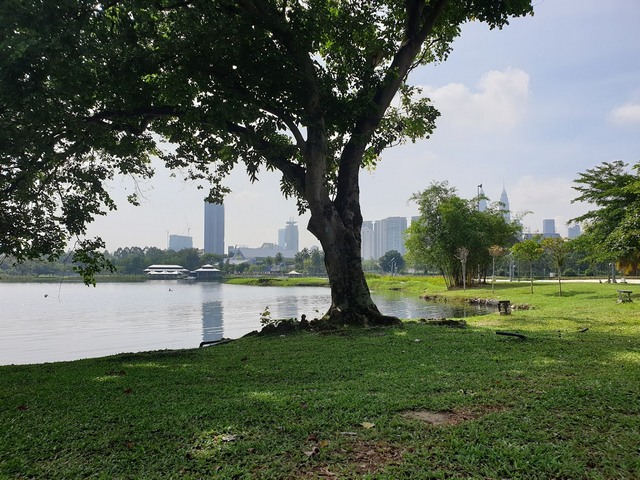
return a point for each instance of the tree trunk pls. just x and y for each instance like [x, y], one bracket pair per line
[351, 302]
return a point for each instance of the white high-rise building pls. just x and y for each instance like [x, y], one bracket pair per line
[291, 237]
[368, 247]
[213, 228]
[389, 235]
[504, 200]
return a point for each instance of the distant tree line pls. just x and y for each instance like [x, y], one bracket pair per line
[134, 260]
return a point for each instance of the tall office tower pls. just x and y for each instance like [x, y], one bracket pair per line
[504, 200]
[214, 228]
[282, 237]
[368, 247]
[573, 231]
[482, 202]
[180, 242]
[291, 236]
[389, 234]
[548, 228]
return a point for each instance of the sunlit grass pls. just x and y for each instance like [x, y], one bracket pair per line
[563, 403]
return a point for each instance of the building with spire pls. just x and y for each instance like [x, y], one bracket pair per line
[482, 199]
[504, 200]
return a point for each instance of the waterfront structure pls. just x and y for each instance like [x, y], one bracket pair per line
[180, 242]
[166, 272]
[207, 272]
[214, 228]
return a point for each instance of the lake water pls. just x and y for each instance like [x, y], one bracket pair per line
[52, 322]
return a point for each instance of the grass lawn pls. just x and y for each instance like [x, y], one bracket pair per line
[420, 401]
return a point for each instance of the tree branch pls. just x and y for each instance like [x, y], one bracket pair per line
[294, 173]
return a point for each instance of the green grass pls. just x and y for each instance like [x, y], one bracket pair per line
[564, 403]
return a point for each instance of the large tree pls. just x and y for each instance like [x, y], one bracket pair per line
[314, 89]
[612, 229]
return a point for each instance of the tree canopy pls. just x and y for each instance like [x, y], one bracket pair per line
[448, 223]
[313, 89]
[611, 231]
[391, 262]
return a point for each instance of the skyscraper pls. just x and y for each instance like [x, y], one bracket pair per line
[180, 242]
[389, 234]
[549, 228]
[504, 200]
[291, 236]
[573, 231]
[482, 201]
[368, 248]
[213, 228]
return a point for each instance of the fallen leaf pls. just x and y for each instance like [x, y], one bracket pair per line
[367, 425]
[229, 438]
[128, 391]
[23, 408]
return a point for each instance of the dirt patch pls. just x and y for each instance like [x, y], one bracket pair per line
[360, 457]
[436, 418]
[448, 417]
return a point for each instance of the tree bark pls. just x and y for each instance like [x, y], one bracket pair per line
[351, 302]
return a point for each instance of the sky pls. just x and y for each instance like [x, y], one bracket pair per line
[526, 108]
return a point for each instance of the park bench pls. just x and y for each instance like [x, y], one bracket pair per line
[624, 296]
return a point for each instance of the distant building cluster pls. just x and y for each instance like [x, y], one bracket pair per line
[548, 224]
[549, 230]
[382, 236]
[378, 237]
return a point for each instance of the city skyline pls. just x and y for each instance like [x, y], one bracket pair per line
[528, 107]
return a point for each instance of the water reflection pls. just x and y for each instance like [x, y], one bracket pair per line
[212, 321]
[78, 322]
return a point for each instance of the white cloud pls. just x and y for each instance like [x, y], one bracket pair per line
[498, 103]
[626, 114]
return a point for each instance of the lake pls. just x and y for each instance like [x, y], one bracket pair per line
[47, 322]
